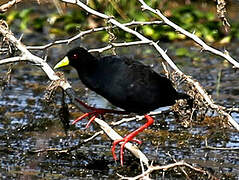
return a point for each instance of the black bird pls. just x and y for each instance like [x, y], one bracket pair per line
[125, 83]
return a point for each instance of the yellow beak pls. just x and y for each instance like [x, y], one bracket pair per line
[62, 63]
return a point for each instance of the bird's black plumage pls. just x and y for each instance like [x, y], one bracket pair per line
[125, 83]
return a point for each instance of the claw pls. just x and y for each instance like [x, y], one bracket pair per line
[128, 138]
[94, 115]
[137, 141]
[122, 153]
[124, 140]
[113, 148]
[91, 120]
[80, 118]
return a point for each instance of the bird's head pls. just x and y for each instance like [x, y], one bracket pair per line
[77, 58]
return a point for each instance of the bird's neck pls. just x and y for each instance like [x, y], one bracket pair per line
[88, 64]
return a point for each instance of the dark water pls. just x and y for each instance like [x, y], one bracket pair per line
[29, 125]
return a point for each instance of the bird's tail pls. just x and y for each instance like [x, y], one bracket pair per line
[187, 97]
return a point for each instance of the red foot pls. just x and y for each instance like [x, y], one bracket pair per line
[95, 112]
[130, 137]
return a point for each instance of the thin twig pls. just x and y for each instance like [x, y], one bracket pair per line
[94, 136]
[137, 117]
[83, 33]
[59, 150]
[219, 148]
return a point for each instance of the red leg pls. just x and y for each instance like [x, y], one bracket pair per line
[94, 112]
[130, 137]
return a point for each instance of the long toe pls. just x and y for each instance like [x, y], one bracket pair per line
[113, 148]
[90, 121]
[81, 117]
[126, 139]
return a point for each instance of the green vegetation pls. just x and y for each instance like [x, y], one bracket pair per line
[205, 24]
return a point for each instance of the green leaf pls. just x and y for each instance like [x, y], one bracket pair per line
[12, 16]
[148, 30]
[25, 13]
[72, 27]
[182, 52]
[225, 40]
[106, 37]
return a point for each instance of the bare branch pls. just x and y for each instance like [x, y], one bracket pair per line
[137, 117]
[12, 59]
[166, 167]
[219, 148]
[221, 11]
[100, 50]
[115, 136]
[26, 55]
[83, 33]
[190, 35]
[5, 7]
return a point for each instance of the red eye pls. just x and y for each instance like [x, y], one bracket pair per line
[75, 56]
